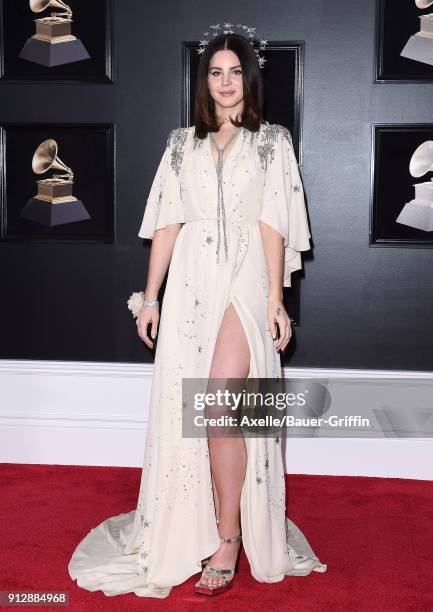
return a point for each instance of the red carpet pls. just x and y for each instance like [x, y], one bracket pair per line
[375, 535]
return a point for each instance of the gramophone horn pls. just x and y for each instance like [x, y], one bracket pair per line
[45, 157]
[422, 159]
[38, 6]
[423, 3]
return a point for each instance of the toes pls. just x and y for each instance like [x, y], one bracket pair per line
[213, 582]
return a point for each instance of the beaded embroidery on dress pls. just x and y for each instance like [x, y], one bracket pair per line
[162, 541]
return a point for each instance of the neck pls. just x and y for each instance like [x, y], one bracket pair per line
[223, 114]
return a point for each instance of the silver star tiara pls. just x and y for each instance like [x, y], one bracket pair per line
[227, 28]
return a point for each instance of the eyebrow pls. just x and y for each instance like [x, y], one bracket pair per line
[219, 68]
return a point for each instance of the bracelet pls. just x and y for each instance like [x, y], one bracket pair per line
[150, 303]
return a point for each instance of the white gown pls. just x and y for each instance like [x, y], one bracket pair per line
[160, 544]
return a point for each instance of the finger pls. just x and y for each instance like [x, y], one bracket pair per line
[286, 338]
[276, 331]
[154, 329]
[272, 328]
[282, 327]
[288, 335]
[142, 332]
[147, 340]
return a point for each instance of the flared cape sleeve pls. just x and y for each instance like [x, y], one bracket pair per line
[283, 205]
[164, 204]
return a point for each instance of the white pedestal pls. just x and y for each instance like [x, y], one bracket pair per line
[417, 214]
[419, 48]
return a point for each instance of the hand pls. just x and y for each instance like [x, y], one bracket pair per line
[277, 314]
[148, 314]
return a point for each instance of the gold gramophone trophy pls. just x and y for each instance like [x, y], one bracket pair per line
[54, 203]
[53, 44]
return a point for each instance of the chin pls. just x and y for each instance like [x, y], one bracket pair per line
[229, 101]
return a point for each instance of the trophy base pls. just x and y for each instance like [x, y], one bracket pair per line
[417, 214]
[53, 53]
[49, 214]
[419, 48]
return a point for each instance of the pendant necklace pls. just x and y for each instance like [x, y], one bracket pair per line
[221, 213]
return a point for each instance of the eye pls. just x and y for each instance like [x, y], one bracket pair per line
[236, 71]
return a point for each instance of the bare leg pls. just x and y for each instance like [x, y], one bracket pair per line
[215, 498]
[228, 455]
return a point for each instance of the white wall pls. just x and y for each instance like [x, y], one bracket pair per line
[82, 413]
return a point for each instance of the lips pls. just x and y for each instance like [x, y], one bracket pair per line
[227, 93]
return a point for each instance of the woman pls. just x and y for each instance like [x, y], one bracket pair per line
[227, 217]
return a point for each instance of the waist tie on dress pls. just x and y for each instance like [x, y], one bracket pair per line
[221, 213]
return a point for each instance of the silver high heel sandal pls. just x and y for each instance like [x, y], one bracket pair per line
[204, 589]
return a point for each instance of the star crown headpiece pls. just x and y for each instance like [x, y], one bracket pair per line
[228, 28]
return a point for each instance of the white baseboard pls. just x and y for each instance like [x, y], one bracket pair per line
[82, 413]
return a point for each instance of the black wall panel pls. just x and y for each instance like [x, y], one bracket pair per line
[361, 307]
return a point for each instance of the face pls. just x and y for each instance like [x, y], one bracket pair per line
[225, 75]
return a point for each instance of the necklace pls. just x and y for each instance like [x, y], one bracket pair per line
[221, 213]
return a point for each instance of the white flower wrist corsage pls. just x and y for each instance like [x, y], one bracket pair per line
[136, 302]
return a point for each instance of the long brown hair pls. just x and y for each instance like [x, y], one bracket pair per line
[204, 105]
